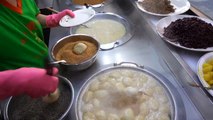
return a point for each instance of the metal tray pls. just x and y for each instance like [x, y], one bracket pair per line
[146, 48]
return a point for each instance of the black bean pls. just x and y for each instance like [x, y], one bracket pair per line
[190, 32]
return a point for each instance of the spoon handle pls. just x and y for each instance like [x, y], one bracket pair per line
[196, 85]
[52, 10]
[48, 66]
[55, 94]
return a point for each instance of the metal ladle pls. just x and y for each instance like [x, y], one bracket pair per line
[58, 62]
[52, 97]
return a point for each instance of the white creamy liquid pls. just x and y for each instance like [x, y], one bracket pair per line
[105, 31]
[115, 95]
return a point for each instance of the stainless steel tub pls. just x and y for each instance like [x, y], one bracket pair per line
[65, 83]
[129, 27]
[176, 103]
[70, 38]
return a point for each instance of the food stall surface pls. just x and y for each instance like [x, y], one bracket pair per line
[204, 6]
[144, 48]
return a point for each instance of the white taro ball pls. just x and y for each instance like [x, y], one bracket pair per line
[87, 96]
[94, 85]
[162, 116]
[88, 108]
[140, 117]
[79, 48]
[144, 109]
[164, 108]
[96, 102]
[154, 105]
[101, 93]
[127, 81]
[106, 85]
[88, 116]
[128, 114]
[130, 91]
[119, 86]
[100, 115]
[113, 117]
[112, 81]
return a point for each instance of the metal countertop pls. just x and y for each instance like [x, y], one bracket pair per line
[204, 6]
[186, 69]
[144, 48]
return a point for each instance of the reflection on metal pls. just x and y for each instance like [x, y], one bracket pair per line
[129, 64]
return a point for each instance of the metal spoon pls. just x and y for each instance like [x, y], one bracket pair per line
[196, 85]
[52, 97]
[84, 25]
[59, 61]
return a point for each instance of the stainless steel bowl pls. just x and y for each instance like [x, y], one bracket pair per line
[70, 38]
[66, 98]
[94, 6]
[129, 27]
[177, 108]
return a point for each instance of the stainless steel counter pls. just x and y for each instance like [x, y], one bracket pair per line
[145, 48]
[185, 72]
[204, 6]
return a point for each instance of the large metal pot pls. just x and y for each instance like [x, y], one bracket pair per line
[129, 29]
[70, 38]
[26, 108]
[90, 90]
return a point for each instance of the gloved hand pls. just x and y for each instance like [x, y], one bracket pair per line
[53, 20]
[31, 81]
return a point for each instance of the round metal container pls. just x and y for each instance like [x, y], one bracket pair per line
[88, 4]
[129, 28]
[64, 85]
[70, 38]
[176, 104]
